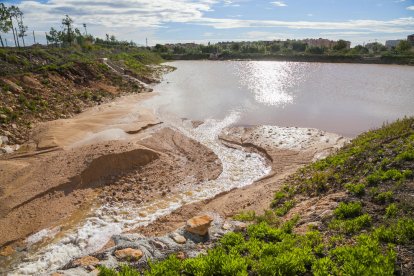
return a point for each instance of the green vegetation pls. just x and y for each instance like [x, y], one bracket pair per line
[360, 239]
[356, 189]
[310, 50]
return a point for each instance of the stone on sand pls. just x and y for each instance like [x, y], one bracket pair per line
[129, 254]
[86, 261]
[178, 238]
[199, 225]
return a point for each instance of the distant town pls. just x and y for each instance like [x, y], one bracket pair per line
[311, 46]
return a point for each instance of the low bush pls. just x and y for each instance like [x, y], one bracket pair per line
[355, 189]
[348, 210]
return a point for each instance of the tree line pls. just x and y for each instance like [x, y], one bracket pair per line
[11, 19]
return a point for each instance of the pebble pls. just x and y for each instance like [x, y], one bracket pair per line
[178, 238]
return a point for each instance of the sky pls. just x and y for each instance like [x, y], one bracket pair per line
[203, 21]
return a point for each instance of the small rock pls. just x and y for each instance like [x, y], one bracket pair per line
[86, 261]
[326, 214]
[14, 126]
[240, 226]
[7, 251]
[129, 254]
[4, 140]
[13, 86]
[181, 255]
[178, 238]
[226, 226]
[199, 225]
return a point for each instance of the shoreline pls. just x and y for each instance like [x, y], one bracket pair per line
[407, 61]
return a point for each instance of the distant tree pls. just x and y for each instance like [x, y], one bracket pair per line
[161, 48]
[54, 37]
[274, 48]
[315, 50]
[235, 47]
[22, 28]
[359, 49]
[67, 23]
[14, 12]
[403, 46]
[5, 22]
[298, 46]
[179, 50]
[340, 45]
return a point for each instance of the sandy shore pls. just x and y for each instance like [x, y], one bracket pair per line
[122, 154]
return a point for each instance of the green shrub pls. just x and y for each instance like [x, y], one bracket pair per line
[348, 210]
[232, 240]
[324, 267]
[384, 197]
[405, 156]
[356, 189]
[391, 210]
[351, 226]
[169, 267]
[216, 262]
[269, 217]
[364, 258]
[290, 262]
[245, 216]
[277, 199]
[263, 231]
[124, 271]
[287, 205]
[401, 232]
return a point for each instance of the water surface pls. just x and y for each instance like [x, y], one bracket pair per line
[342, 98]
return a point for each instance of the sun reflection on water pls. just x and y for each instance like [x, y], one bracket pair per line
[271, 83]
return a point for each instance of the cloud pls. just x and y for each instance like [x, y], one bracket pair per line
[138, 19]
[410, 8]
[390, 26]
[279, 3]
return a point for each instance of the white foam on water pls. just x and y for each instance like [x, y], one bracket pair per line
[239, 169]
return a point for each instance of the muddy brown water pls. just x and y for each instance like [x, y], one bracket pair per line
[342, 98]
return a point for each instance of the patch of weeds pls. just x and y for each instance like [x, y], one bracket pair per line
[407, 155]
[384, 197]
[391, 211]
[278, 198]
[170, 266]
[282, 210]
[348, 210]
[245, 216]
[355, 189]
[216, 262]
[392, 174]
[351, 226]
[269, 217]
[401, 232]
[364, 258]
